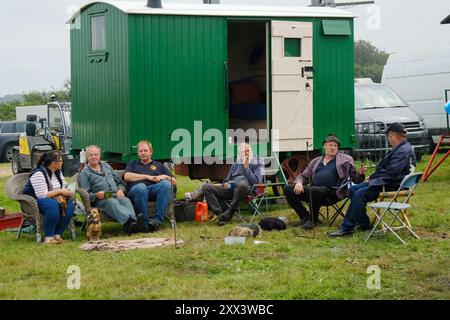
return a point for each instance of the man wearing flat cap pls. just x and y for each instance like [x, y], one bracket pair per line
[324, 180]
[389, 173]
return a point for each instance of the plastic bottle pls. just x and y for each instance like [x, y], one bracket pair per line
[82, 156]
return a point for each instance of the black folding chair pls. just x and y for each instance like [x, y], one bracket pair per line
[337, 206]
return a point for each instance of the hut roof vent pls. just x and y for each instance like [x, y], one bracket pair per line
[156, 4]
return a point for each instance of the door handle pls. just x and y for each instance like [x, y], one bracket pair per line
[307, 69]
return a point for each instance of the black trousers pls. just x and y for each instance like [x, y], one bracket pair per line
[320, 196]
[216, 195]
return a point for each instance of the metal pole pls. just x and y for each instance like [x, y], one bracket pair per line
[173, 220]
[446, 99]
[311, 207]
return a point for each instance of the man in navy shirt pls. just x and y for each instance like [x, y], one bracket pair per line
[149, 180]
[389, 173]
[324, 180]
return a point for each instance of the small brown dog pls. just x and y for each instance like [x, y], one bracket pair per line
[62, 201]
[94, 228]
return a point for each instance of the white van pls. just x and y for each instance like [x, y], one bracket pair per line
[422, 79]
[376, 107]
[23, 112]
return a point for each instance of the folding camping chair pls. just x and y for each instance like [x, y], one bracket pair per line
[394, 209]
[338, 206]
[338, 210]
[254, 201]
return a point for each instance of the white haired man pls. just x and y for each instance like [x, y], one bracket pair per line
[100, 181]
[244, 173]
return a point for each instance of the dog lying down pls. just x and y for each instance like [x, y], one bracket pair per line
[246, 230]
[271, 223]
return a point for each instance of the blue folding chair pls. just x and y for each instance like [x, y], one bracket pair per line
[394, 208]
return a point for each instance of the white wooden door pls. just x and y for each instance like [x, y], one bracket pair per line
[292, 85]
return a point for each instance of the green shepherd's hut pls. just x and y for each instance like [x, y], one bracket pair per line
[142, 71]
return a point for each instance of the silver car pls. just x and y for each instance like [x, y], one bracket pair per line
[376, 107]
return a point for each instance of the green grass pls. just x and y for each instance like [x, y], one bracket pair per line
[294, 264]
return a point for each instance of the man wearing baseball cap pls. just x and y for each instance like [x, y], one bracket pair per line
[323, 180]
[389, 173]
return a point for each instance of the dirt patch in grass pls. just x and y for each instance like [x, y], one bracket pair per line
[433, 236]
[5, 171]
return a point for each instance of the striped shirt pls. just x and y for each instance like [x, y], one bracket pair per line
[38, 181]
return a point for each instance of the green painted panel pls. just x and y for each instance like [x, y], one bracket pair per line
[334, 106]
[292, 47]
[100, 91]
[337, 27]
[177, 77]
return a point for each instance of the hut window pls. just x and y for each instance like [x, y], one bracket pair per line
[292, 47]
[337, 27]
[98, 33]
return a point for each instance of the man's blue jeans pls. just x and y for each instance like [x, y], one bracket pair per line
[54, 223]
[360, 194]
[141, 194]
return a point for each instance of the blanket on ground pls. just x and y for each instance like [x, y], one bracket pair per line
[123, 245]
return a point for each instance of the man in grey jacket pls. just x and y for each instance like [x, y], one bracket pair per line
[107, 191]
[324, 180]
[243, 175]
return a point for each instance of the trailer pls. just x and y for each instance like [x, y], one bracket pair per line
[23, 112]
[207, 71]
[422, 79]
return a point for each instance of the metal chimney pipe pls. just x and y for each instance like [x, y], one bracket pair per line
[211, 1]
[154, 4]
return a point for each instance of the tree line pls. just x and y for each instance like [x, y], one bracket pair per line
[34, 98]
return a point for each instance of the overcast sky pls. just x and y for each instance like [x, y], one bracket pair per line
[34, 39]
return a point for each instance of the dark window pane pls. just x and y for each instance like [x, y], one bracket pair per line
[292, 47]
[98, 33]
[8, 128]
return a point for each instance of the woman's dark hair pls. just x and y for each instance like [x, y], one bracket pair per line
[48, 157]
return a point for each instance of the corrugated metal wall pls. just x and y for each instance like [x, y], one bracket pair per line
[334, 93]
[100, 90]
[177, 76]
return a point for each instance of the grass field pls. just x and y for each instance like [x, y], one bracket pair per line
[293, 264]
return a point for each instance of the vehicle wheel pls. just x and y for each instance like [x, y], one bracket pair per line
[291, 167]
[419, 156]
[8, 152]
[15, 164]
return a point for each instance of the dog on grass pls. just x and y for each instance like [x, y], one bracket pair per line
[246, 230]
[271, 223]
[94, 225]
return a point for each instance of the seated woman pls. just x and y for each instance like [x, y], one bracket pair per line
[45, 183]
[107, 191]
